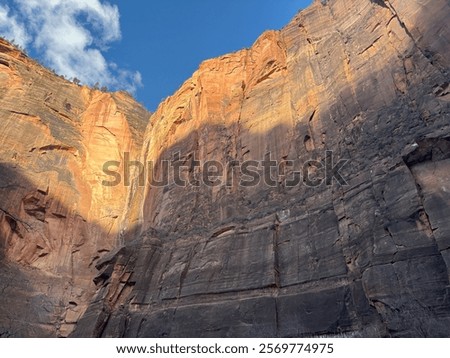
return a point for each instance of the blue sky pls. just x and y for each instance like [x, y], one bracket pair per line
[146, 47]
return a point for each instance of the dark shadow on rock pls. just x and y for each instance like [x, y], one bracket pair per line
[37, 300]
[263, 261]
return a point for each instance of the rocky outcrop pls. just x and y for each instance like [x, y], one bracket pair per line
[56, 217]
[364, 81]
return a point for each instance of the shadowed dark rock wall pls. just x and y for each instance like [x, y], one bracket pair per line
[367, 80]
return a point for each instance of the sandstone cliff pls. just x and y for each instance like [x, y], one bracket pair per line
[56, 219]
[365, 79]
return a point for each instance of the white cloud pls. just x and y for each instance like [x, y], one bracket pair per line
[11, 29]
[71, 36]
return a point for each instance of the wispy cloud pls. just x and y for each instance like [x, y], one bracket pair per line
[71, 36]
[11, 29]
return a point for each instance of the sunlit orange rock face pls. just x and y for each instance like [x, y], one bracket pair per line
[56, 217]
[367, 80]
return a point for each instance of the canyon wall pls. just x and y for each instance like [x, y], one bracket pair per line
[360, 81]
[56, 217]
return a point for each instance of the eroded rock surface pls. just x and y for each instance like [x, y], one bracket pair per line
[56, 217]
[365, 79]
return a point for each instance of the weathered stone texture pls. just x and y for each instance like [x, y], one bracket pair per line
[56, 217]
[365, 79]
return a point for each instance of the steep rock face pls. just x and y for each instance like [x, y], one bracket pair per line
[56, 217]
[364, 79]
[367, 80]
